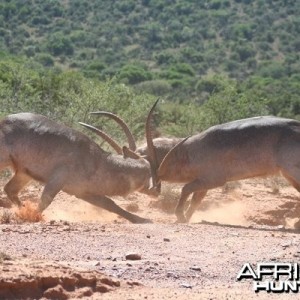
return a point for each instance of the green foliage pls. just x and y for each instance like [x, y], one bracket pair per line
[274, 70]
[45, 59]
[155, 87]
[59, 44]
[132, 74]
[283, 95]
[69, 97]
[95, 69]
[243, 31]
[231, 104]
[214, 60]
[244, 52]
[213, 83]
[181, 119]
[103, 38]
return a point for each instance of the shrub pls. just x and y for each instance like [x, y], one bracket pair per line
[133, 74]
[59, 44]
[45, 59]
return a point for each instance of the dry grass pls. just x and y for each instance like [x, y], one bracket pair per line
[6, 217]
[4, 256]
[275, 183]
[229, 187]
[28, 213]
[5, 174]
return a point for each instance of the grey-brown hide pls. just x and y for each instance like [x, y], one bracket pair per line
[64, 159]
[162, 146]
[241, 149]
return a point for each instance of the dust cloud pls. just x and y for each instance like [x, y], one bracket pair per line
[76, 210]
[231, 212]
[28, 212]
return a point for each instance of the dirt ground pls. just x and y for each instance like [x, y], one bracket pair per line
[80, 251]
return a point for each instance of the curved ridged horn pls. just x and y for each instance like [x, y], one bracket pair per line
[172, 150]
[152, 152]
[105, 137]
[121, 122]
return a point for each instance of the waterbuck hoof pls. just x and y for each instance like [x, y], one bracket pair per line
[181, 219]
[297, 225]
[6, 204]
[143, 221]
[16, 202]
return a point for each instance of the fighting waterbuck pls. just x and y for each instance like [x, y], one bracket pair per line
[62, 158]
[241, 149]
[162, 145]
[154, 150]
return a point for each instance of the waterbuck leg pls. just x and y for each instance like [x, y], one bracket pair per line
[292, 181]
[187, 190]
[292, 173]
[199, 185]
[108, 204]
[195, 202]
[293, 176]
[15, 185]
[52, 188]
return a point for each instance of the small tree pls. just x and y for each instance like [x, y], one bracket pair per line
[133, 74]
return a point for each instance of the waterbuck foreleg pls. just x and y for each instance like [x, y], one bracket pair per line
[195, 202]
[186, 191]
[52, 188]
[199, 186]
[109, 205]
[15, 185]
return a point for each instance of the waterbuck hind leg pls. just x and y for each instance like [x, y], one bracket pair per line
[195, 202]
[47, 197]
[292, 174]
[109, 205]
[289, 163]
[292, 180]
[15, 185]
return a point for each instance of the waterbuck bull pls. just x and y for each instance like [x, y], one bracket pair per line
[241, 149]
[62, 158]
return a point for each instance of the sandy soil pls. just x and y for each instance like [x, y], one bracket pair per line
[79, 251]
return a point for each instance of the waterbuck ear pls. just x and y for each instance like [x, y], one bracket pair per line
[127, 153]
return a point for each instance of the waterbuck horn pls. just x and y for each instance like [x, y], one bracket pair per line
[129, 153]
[152, 152]
[172, 150]
[105, 137]
[121, 122]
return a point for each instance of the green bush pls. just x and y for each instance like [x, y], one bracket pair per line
[69, 97]
[59, 44]
[154, 87]
[133, 74]
[45, 59]
[231, 104]
[274, 70]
